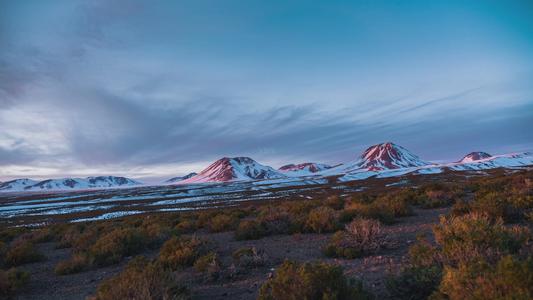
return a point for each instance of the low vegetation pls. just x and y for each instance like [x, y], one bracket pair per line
[142, 279]
[480, 248]
[311, 281]
[359, 237]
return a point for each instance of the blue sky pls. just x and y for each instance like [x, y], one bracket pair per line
[151, 89]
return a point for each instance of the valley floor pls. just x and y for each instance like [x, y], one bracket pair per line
[372, 269]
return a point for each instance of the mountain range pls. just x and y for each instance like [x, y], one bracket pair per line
[26, 184]
[381, 160]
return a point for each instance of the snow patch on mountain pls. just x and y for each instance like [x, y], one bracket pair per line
[180, 178]
[67, 184]
[303, 169]
[17, 184]
[234, 169]
[474, 156]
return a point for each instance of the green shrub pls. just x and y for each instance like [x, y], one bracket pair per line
[250, 230]
[475, 236]
[186, 226]
[495, 205]
[311, 281]
[208, 264]
[335, 202]
[414, 283]
[182, 252]
[77, 263]
[11, 281]
[510, 278]
[275, 220]
[249, 257]
[322, 219]
[460, 208]
[22, 252]
[222, 222]
[394, 205]
[142, 279]
[10, 233]
[111, 247]
[360, 237]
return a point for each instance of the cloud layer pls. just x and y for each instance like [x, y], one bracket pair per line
[124, 88]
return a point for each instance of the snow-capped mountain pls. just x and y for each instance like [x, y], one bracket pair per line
[67, 184]
[234, 169]
[385, 156]
[303, 169]
[474, 156]
[180, 178]
[17, 184]
[497, 161]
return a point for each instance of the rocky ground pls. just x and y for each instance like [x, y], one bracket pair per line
[235, 283]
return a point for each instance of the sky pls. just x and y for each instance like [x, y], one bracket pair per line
[155, 89]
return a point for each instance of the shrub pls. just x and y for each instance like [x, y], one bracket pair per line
[371, 211]
[250, 230]
[311, 281]
[10, 233]
[335, 202]
[77, 263]
[11, 281]
[22, 252]
[186, 226]
[414, 283]
[70, 235]
[510, 278]
[249, 257]
[322, 219]
[208, 264]
[360, 237]
[222, 222]
[460, 208]
[182, 252]
[142, 279]
[421, 277]
[117, 244]
[474, 236]
[394, 205]
[275, 220]
[495, 205]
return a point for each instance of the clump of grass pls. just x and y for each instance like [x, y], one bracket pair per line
[322, 219]
[182, 252]
[475, 257]
[142, 279]
[21, 252]
[249, 257]
[222, 222]
[311, 281]
[209, 265]
[11, 281]
[360, 237]
[117, 244]
[77, 263]
[250, 230]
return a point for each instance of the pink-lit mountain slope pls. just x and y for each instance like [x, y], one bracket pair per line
[303, 169]
[234, 169]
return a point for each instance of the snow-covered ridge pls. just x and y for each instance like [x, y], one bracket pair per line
[181, 178]
[474, 156]
[234, 169]
[18, 185]
[303, 169]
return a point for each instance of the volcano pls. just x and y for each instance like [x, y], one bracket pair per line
[475, 156]
[388, 156]
[234, 169]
